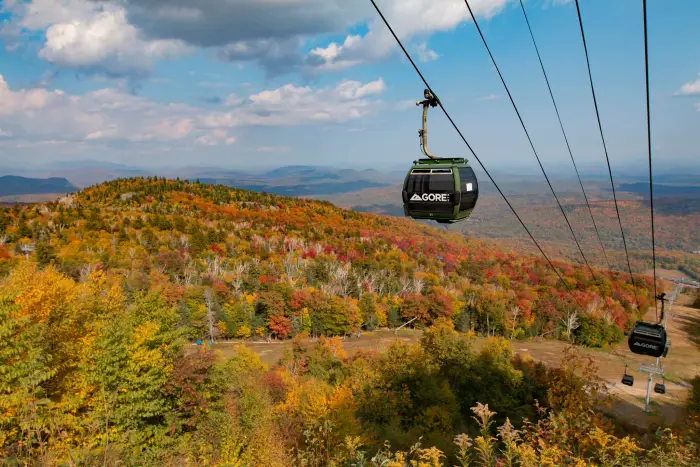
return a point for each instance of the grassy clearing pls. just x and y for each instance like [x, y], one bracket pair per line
[681, 366]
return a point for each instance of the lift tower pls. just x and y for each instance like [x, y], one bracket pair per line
[657, 369]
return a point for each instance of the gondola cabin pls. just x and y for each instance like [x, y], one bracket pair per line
[627, 379]
[443, 190]
[647, 339]
[660, 388]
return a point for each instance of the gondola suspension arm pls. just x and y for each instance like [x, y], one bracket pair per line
[662, 299]
[430, 101]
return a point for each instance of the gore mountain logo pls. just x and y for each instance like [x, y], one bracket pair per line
[648, 346]
[444, 197]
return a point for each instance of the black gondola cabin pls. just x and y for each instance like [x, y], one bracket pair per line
[627, 380]
[647, 339]
[443, 190]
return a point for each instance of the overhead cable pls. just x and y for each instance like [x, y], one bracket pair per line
[566, 139]
[410, 59]
[527, 133]
[605, 148]
[651, 184]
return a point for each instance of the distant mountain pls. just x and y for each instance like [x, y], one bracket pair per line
[295, 171]
[300, 180]
[321, 174]
[90, 164]
[300, 189]
[292, 180]
[84, 177]
[14, 185]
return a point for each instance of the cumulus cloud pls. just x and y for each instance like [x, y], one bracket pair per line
[425, 54]
[10, 34]
[112, 115]
[126, 37]
[298, 105]
[215, 137]
[409, 20]
[93, 36]
[213, 23]
[275, 56]
[271, 33]
[690, 89]
[329, 57]
[103, 115]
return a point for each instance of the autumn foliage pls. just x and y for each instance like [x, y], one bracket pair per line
[97, 328]
[277, 267]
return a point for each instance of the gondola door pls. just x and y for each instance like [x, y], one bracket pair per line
[430, 192]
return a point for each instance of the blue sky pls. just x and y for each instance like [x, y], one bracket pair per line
[245, 84]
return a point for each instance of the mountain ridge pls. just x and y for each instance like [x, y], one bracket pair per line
[11, 185]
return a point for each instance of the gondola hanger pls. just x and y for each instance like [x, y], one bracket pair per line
[441, 189]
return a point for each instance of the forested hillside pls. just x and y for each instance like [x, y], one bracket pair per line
[103, 293]
[677, 226]
[261, 264]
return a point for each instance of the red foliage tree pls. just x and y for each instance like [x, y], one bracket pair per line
[277, 387]
[440, 304]
[187, 384]
[299, 299]
[415, 306]
[280, 325]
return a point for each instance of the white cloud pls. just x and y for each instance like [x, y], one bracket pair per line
[425, 54]
[232, 100]
[356, 90]
[104, 115]
[112, 115]
[409, 20]
[216, 23]
[298, 105]
[10, 34]
[126, 37]
[272, 33]
[326, 58]
[94, 37]
[690, 89]
[215, 137]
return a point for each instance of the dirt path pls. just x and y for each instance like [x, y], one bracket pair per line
[682, 364]
[271, 352]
